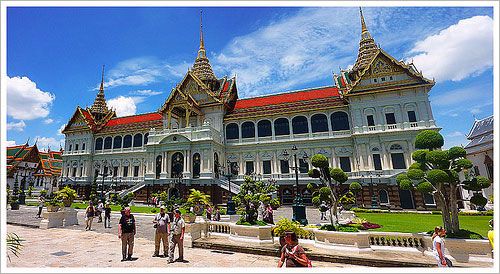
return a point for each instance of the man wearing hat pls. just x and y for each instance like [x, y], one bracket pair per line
[162, 225]
[177, 237]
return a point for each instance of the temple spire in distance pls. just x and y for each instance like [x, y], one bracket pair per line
[363, 25]
[202, 44]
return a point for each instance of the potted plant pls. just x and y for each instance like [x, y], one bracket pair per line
[285, 225]
[198, 200]
[53, 205]
[14, 202]
[189, 217]
[67, 195]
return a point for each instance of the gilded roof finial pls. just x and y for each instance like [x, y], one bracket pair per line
[102, 80]
[363, 25]
[202, 44]
[99, 108]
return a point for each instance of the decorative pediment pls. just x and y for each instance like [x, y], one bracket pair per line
[384, 72]
[78, 122]
[323, 152]
[191, 85]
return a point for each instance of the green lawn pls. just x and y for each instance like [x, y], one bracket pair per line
[133, 209]
[414, 222]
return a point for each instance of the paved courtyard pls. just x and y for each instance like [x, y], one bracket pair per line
[59, 247]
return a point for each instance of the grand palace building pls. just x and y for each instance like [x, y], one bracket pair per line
[365, 123]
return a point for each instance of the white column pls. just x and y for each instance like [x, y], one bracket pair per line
[257, 163]
[290, 127]
[309, 126]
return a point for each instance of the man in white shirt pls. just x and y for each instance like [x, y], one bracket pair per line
[177, 229]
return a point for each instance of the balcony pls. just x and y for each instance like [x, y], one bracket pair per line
[290, 137]
[202, 133]
[394, 127]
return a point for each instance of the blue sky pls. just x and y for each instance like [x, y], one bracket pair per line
[55, 55]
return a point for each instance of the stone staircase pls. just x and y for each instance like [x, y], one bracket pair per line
[235, 188]
[132, 189]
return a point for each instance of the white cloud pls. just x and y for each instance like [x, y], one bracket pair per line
[25, 101]
[145, 92]
[48, 121]
[19, 126]
[43, 143]
[10, 143]
[59, 131]
[142, 71]
[125, 106]
[454, 97]
[459, 51]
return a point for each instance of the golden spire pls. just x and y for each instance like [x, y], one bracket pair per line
[367, 47]
[99, 108]
[201, 66]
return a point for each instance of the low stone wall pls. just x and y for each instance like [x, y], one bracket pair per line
[260, 234]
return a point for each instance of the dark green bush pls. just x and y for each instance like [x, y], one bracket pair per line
[429, 139]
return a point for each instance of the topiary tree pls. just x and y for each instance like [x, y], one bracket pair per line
[251, 194]
[437, 172]
[332, 180]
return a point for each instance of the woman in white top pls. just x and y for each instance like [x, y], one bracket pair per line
[438, 246]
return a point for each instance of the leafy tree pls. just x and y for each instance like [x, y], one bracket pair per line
[30, 191]
[332, 180]
[437, 172]
[14, 244]
[250, 196]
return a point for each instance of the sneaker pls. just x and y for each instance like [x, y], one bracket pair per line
[156, 255]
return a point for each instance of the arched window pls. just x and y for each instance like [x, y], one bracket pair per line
[127, 141]
[383, 197]
[117, 142]
[196, 165]
[98, 144]
[138, 140]
[107, 142]
[216, 164]
[83, 146]
[281, 127]
[248, 130]
[319, 123]
[158, 166]
[146, 138]
[264, 128]
[177, 165]
[340, 121]
[232, 131]
[76, 147]
[300, 125]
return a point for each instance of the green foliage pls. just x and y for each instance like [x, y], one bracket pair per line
[429, 139]
[319, 161]
[483, 182]
[43, 192]
[314, 173]
[479, 200]
[284, 225]
[462, 164]
[417, 165]
[476, 213]
[310, 187]
[54, 202]
[242, 221]
[355, 187]
[347, 199]
[196, 197]
[340, 228]
[415, 174]
[406, 184]
[250, 196]
[425, 187]
[338, 175]
[154, 210]
[66, 193]
[437, 176]
[125, 201]
[456, 152]
[464, 234]
[14, 245]
[30, 190]
[316, 201]
[401, 177]
[439, 158]
[324, 192]
[419, 155]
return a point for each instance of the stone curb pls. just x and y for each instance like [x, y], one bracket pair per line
[21, 224]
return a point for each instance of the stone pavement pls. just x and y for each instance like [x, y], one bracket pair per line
[59, 247]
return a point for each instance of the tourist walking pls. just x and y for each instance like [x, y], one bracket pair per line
[41, 202]
[126, 232]
[89, 215]
[209, 212]
[100, 209]
[292, 254]
[217, 214]
[162, 225]
[107, 216]
[268, 215]
[176, 237]
[323, 208]
[438, 247]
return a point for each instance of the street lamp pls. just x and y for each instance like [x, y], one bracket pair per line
[374, 202]
[230, 203]
[103, 174]
[299, 209]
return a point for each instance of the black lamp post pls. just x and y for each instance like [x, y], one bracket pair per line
[103, 174]
[299, 209]
[231, 209]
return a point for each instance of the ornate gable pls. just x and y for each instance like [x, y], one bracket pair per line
[79, 122]
[384, 72]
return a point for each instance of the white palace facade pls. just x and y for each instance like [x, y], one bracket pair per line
[365, 123]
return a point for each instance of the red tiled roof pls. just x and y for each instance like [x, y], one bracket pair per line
[88, 116]
[306, 95]
[140, 118]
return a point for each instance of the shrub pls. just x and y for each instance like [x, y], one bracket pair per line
[153, 210]
[242, 221]
[355, 187]
[319, 161]
[429, 139]
[284, 225]
[479, 200]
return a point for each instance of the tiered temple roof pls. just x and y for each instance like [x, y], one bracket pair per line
[51, 163]
[201, 67]
[99, 108]
[481, 133]
[367, 47]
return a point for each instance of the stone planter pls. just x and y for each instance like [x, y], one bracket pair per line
[52, 208]
[259, 234]
[464, 250]
[67, 203]
[189, 218]
[52, 219]
[69, 216]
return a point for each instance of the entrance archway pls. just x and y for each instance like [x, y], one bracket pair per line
[406, 199]
[177, 165]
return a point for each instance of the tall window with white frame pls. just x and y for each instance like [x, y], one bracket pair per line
[249, 168]
[266, 167]
[345, 164]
